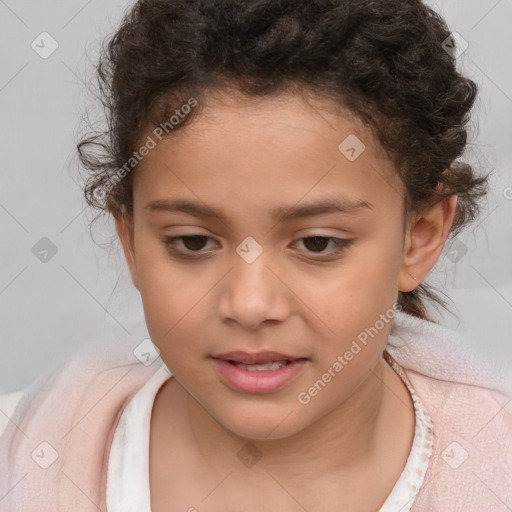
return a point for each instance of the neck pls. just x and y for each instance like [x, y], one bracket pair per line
[347, 437]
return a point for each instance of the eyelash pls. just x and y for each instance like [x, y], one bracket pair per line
[170, 241]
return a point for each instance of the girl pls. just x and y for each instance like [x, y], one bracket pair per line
[283, 176]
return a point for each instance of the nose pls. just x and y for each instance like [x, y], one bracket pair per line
[253, 294]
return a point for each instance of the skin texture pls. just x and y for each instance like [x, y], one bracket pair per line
[246, 157]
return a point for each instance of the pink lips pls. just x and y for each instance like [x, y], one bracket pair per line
[257, 381]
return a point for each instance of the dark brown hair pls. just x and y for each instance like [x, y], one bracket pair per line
[382, 60]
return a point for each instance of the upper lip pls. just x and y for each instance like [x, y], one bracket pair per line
[255, 358]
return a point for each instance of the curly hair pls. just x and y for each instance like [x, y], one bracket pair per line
[383, 61]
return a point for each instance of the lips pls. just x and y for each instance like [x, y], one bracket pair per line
[256, 358]
[261, 372]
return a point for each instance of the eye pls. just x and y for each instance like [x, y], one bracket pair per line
[319, 242]
[195, 243]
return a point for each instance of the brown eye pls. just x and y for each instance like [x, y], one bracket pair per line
[319, 247]
[317, 242]
[192, 246]
[194, 243]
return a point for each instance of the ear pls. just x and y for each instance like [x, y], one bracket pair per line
[425, 237]
[124, 227]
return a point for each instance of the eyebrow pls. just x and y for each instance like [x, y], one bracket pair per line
[280, 213]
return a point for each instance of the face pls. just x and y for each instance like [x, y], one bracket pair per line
[246, 279]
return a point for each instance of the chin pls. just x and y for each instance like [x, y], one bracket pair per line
[259, 426]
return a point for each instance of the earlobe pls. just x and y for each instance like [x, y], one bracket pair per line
[425, 239]
[124, 227]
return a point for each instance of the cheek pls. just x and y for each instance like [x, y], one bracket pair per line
[176, 307]
[351, 303]
[363, 284]
[166, 293]
[378, 263]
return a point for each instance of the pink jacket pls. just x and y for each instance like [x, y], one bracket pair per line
[54, 452]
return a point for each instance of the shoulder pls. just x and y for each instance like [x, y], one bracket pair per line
[93, 383]
[67, 417]
[435, 351]
[471, 461]
[466, 394]
[469, 401]
[465, 409]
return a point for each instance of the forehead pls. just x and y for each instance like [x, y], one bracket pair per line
[245, 150]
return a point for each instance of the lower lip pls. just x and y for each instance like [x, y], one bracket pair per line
[259, 381]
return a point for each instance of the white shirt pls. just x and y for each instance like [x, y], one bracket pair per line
[128, 466]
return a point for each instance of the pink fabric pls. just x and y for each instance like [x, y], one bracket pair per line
[76, 409]
[471, 464]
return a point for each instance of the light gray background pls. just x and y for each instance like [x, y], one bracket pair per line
[49, 310]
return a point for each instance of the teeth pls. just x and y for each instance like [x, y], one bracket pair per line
[275, 365]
